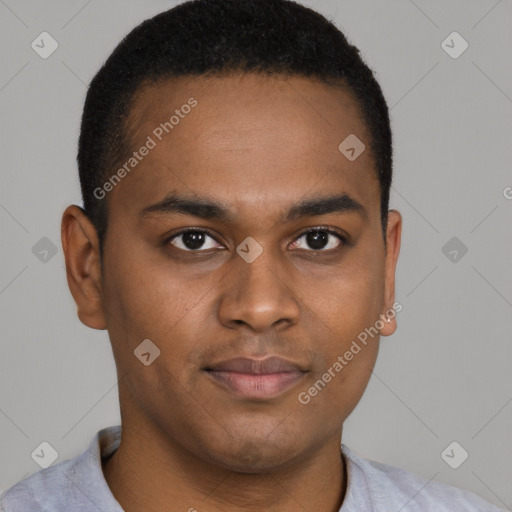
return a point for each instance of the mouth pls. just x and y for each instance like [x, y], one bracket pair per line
[258, 379]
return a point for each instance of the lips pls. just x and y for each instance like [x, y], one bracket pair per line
[256, 366]
[256, 378]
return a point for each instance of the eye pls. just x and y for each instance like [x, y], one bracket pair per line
[320, 239]
[198, 240]
[192, 240]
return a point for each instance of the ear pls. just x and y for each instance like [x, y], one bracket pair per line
[83, 266]
[393, 239]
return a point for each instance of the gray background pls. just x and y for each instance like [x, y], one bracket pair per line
[444, 376]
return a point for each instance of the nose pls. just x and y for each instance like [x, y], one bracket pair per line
[259, 295]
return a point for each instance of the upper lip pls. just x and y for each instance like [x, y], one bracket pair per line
[249, 365]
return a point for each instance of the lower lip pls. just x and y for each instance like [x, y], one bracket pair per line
[259, 386]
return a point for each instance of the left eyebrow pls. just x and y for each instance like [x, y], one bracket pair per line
[342, 203]
[207, 209]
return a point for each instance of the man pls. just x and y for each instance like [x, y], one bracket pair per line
[235, 160]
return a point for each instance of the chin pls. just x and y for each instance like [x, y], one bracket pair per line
[255, 455]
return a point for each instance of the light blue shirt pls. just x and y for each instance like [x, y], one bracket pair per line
[78, 485]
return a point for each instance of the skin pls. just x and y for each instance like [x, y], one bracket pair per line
[258, 144]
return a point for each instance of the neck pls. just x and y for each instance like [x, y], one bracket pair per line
[152, 474]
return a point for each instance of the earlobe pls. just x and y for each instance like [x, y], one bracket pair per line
[83, 266]
[390, 324]
[393, 240]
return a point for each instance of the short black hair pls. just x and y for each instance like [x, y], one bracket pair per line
[205, 37]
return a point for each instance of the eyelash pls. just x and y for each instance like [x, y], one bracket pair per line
[324, 229]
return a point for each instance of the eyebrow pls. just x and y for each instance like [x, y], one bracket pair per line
[212, 210]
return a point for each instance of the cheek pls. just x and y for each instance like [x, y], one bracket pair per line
[350, 300]
[348, 358]
[146, 294]
[147, 298]
[346, 311]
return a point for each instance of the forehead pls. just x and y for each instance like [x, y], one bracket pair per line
[252, 139]
[250, 101]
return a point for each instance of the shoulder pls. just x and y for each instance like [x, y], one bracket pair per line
[33, 494]
[76, 484]
[393, 487]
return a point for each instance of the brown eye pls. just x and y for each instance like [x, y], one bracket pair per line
[320, 239]
[193, 240]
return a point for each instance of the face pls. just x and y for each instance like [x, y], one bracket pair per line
[248, 248]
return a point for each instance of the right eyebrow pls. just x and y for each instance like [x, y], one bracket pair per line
[202, 208]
